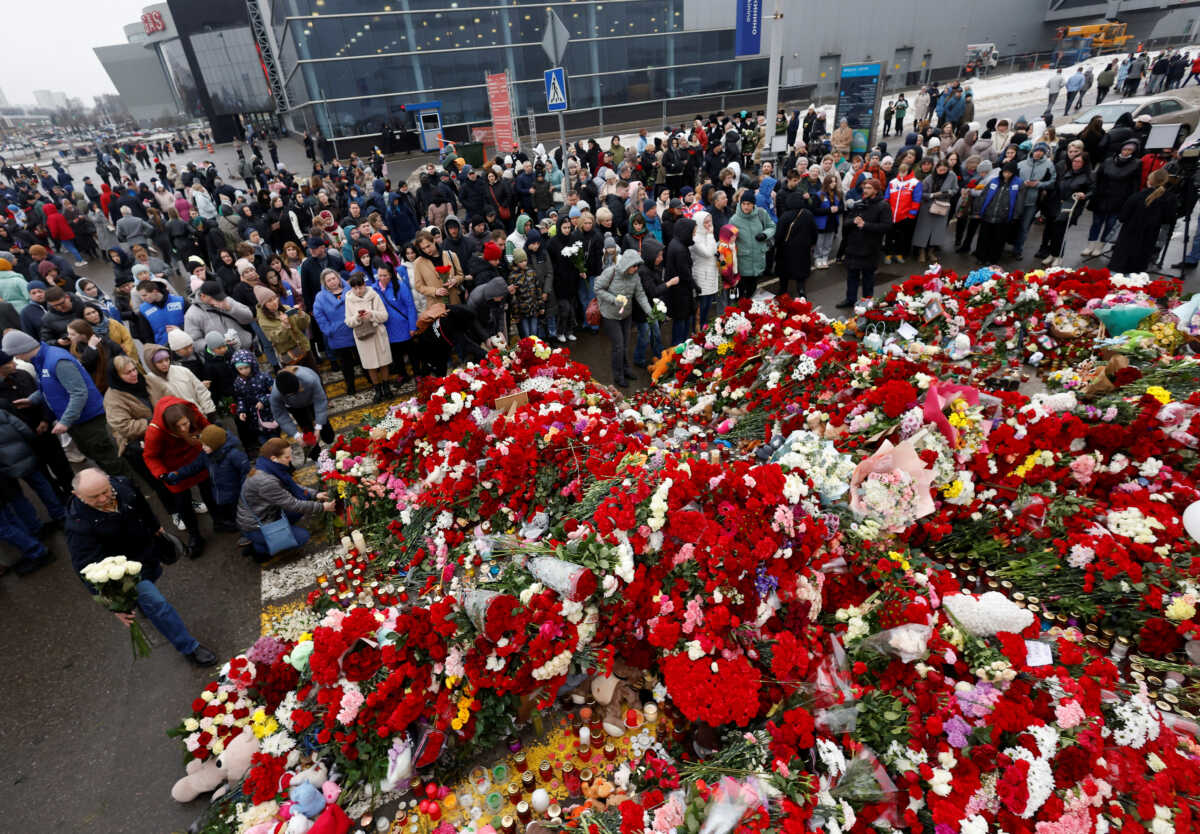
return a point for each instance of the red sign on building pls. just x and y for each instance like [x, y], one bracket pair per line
[153, 22]
[501, 105]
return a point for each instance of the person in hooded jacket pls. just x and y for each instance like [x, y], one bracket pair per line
[681, 298]
[649, 339]
[538, 259]
[329, 312]
[171, 442]
[566, 279]
[1114, 140]
[454, 240]
[252, 401]
[1143, 217]
[998, 209]
[618, 289]
[397, 297]
[1116, 181]
[401, 217]
[1037, 178]
[1064, 204]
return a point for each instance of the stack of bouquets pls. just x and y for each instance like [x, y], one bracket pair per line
[714, 546]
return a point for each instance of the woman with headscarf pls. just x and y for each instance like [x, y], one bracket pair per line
[89, 290]
[1116, 181]
[439, 275]
[128, 410]
[566, 279]
[940, 187]
[795, 234]
[109, 327]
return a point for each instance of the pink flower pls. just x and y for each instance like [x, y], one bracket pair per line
[1082, 468]
[1069, 715]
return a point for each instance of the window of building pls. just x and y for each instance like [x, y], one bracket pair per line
[228, 61]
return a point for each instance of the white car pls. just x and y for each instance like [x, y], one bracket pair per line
[1162, 109]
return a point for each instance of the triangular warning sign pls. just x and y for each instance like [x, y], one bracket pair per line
[556, 94]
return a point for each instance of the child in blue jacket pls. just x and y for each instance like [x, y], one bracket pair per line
[228, 467]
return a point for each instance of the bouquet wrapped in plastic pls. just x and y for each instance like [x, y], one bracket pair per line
[115, 580]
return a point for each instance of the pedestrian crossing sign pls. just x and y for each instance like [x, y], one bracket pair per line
[556, 89]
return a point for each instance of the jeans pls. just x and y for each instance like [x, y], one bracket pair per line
[164, 617]
[617, 331]
[649, 339]
[260, 543]
[680, 330]
[19, 527]
[1024, 221]
[69, 245]
[1053, 97]
[551, 323]
[865, 276]
[45, 491]
[1070, 100]
[527, 326]
[824, 245]
[1193, 254]
[1101, 92]
[706, 303]
[1102, 225]
[586, 294]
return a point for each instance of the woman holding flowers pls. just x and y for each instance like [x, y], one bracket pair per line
[617, 289]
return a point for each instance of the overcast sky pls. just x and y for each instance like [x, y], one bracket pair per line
[61, 57]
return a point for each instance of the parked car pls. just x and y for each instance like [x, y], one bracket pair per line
[1162, 109]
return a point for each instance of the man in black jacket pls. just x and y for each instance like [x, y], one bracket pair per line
[108, 517]
[62, 309]
[681, 299]
[473, 192]
[864, 227]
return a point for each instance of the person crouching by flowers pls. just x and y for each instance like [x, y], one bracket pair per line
[172, 441]
[107, 516]
[617, 288]
[270, 492]
[252, 401]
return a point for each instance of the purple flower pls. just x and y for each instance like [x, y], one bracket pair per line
[957, 731]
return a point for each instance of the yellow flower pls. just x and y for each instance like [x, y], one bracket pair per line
[1159, 393]
[723, 348]
[953, 490]
[1180, 609]
[264, 725]
[456, 725]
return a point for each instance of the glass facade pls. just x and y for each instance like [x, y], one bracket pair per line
[358, 61]
[233, 74]
[180, 73]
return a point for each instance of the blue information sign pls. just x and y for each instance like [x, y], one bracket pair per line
[747, 38]
[556, 89]
[858, 102]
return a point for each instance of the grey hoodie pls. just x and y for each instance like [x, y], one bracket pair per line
[1040, 171]
[614, 281]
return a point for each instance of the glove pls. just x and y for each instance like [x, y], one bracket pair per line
[171, 477]
[760, 237]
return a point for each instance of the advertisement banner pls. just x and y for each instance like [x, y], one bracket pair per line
[747, 37]
[502, 117]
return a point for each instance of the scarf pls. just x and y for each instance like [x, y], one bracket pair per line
[100, 327]
[284, 475]
[137, 389]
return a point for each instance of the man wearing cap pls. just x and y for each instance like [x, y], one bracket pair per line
[755, 231]
[162, 309]
[215, 312]
[110, 517]
[63, 308]
[1037, 175]
[299, 404]
[68, 390]
[653, 222]
[33, 312]
[319, 259]
[472, 192]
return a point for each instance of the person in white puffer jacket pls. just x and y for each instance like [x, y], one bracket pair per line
[704, 264]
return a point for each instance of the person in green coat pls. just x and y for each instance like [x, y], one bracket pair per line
[755, 231]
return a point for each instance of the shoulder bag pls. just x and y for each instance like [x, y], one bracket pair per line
[277, 534]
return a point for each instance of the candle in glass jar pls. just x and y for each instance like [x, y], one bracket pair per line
[545, 772]
[585, 736]
[524, 814]
[610, 752]
[519, 762]
[347, 546]
[650, 712]
[360, 542]
[570, 778]
[527, 781]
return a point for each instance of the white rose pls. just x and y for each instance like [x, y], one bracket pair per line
[116, 572]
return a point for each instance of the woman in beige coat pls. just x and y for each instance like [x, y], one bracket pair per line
[129, 408]
[165, 378]
[365, 315]
[439, 275]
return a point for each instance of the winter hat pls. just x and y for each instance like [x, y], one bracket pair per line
[985, 168]
[935, 143]
[286, 382]
[575, 211]
[46, 267]
[315, 242]
[244, 357]
[17, 342]
[533, 236]
[263, 294]
[609, 241]
[37, 251]
[491, 252]
[213, 436]
[142, 270]
[686, 190]
[36, 285]
[519, 256]
[747, 196]
[194, 262]
[214, 340]
[1042, 146]
[647, 205]
[178, 339]
[378, 239]
[675, 203]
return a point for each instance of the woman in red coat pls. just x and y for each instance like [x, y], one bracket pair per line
[62, 233]
[171, 449]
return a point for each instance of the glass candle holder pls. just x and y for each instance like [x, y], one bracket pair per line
[519, 762]
[494, 802]
[499, 774]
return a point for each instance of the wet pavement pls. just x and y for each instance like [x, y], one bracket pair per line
[85, 726]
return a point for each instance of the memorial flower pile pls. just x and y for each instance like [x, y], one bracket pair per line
[866, 583]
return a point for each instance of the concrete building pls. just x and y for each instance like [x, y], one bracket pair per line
[3, 99]
[50, 99]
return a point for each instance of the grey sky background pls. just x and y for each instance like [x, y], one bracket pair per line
[57, 54]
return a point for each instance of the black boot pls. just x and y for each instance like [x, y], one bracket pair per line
[378, 394]
[388, 393]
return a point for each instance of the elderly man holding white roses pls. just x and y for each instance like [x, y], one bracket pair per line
[108, 517]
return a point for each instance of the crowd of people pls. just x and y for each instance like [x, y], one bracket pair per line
[200, 372]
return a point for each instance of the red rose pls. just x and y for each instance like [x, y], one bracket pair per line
[1158, 638]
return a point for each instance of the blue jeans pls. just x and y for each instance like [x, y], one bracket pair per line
[69, 245]
[586, 294]
[649, 339]
[680, 330]
[551, 325]
[1099, 219]
[1024, 221]
[45, 491]
[260, 543]
[706, 303]
[1193, 255]
[165, 618]
[527, 326]
[19, 527]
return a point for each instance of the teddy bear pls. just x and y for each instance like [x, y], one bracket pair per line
[219, 772]
[615, 695]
